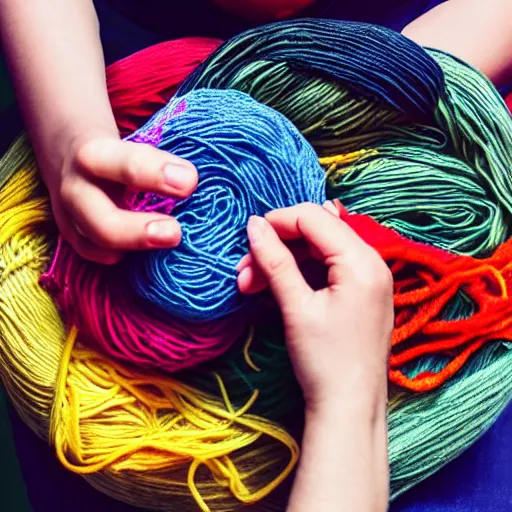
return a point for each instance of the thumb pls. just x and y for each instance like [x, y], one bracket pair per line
[138, 166]
[277, 264]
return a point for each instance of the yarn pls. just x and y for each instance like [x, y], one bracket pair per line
[94, 410]
[433, 167]
[247, 156]
[135, 85]
[110, 416]
[457, 195]
[220, 133]
[108, 422]
[373, 61]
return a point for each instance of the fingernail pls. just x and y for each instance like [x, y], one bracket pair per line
[244, 262]
[176, 176]
[329, 206]
[244, 278]
[162, 232]
[256, 229]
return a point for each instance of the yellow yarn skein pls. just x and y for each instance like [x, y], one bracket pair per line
[140, 437]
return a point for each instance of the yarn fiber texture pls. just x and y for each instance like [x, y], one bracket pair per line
[404, 143]
[247, 156]
[250, 160]
[223, 434]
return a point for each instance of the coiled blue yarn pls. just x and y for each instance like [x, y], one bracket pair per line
[250, 160]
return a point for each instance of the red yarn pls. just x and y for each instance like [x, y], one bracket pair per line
[263, 10]
[99, 302]
[143, 83]
[425, 278]
[509, 102]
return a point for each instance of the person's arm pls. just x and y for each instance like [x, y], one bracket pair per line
[338, 339]
[344, 463]
[478, 32]
[54, 53]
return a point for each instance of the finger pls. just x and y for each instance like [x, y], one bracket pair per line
[251, 280]
[246, 261]
[299, 250]
[331, 208]
[277, 264]
[108, 226]
[84, 247]
[138, 166]
[322, 230]
[337, 245]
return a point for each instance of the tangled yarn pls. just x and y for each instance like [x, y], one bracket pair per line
[404, 144]
[223, 433]
[223, 134]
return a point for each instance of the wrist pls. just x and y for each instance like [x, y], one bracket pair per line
[54, 157]
[359, 394]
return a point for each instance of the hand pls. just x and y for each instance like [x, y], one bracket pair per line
[338, 338]
[87, 185]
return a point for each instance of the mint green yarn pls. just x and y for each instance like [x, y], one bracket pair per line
[330, 116]
[445, 183]
[19, 155]
[448, 186]
[427, 431]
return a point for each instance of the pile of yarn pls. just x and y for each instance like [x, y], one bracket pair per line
[412, 144]
[246, 154]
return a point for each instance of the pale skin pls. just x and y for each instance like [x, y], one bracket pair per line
[55, 56]
[339, 355]
[54, 52]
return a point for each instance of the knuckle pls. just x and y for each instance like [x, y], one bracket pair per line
[309, 208]
[369, 271]
[131, 173]
[104, 233]
[69, 191]
[376, 276]
[279, 265]
[84, 154]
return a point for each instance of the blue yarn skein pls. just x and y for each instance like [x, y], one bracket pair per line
[250, 160]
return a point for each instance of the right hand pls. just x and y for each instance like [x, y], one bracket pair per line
[338, 337]
[86, 185]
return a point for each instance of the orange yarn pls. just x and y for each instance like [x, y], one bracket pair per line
[426, 279]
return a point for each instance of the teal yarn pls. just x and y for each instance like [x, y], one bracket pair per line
[250, 160]
[428, 431]
[448, 188]
[436, 169]
[436, 174]
[267, 369]
[370, 60]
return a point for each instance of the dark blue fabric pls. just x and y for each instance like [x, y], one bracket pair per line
[478, 481]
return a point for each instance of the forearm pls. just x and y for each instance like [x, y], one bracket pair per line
[477, 32]
[344, 463]
[54, 52]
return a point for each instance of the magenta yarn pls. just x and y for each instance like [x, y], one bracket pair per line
[98, 300]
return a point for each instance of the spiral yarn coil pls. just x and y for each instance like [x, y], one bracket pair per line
[223, 433]
[220, 133]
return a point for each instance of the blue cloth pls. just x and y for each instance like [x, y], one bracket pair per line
[478, 481]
